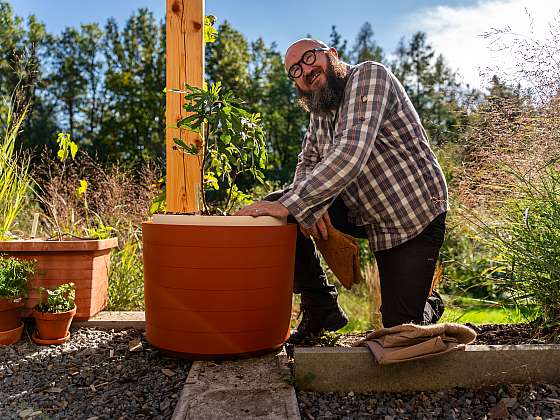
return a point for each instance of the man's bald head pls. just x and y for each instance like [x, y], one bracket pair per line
[302, 45]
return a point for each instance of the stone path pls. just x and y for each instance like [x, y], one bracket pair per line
[257, 388]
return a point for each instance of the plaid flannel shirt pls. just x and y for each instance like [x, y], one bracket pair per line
[372, 152]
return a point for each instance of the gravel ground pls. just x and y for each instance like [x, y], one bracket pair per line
[512, 402]
[97, 374]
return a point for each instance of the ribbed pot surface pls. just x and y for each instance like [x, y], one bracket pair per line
[218, 290]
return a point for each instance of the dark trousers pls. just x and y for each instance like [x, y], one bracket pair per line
[405, 271]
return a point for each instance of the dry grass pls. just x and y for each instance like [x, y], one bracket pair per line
[116, 197]
[516, 131]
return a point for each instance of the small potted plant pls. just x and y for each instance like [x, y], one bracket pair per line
[217, 285]
[15, 277]
[54, 315]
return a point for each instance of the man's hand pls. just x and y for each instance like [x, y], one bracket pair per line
[264, 208]
[319, 229]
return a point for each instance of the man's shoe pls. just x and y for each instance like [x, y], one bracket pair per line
[315, 320]
[436, 303]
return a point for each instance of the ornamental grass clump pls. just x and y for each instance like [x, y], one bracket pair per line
[508, 188]
[15, 180]
[527, 243]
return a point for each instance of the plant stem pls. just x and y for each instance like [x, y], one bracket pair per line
[230, 192]
[206, 137]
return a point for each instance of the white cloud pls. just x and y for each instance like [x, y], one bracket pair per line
[456, 32]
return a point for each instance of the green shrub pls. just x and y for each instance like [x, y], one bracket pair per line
[60, 299]
[15, 277]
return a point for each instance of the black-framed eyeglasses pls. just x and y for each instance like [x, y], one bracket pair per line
[309, 57]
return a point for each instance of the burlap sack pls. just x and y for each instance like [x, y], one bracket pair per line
[411, 342]
[342, 254]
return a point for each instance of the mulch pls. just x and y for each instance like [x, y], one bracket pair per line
[487, 334]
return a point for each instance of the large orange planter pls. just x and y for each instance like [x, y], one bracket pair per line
[86, 263]
[218, 291]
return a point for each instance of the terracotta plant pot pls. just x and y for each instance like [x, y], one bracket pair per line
[11, 336]
[218, 291]
[53, 326]
[85, 263]
[10, 313]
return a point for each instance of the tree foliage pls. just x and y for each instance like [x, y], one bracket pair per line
[104, 85]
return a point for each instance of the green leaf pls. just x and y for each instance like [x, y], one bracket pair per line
[189, 149]
[81, 190]
[210, 33]
[73, 149]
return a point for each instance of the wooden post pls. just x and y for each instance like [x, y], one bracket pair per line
[184, 64]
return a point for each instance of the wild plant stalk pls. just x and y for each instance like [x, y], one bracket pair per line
[371, 277]
[126, 279]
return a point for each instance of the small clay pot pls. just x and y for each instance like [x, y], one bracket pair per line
[53, 326]
[11, 336]
[10, 313]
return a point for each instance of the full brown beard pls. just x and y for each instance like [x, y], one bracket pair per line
[328, 97]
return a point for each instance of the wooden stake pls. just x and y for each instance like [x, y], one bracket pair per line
[184, 64]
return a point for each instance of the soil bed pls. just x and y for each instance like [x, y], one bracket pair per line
[541, 401]
[101, 374]
[486, 334]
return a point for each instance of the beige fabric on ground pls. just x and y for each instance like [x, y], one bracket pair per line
[411, 342]
[342, 254]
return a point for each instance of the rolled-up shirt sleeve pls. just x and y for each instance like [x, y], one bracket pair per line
[368, 98]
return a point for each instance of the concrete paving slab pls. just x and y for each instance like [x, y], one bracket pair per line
[115, 319]
[257, 388]
[330, 369]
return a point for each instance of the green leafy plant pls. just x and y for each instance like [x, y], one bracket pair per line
[66, 147]
[15, 277]
[231, 144]
[15, 181]
[60, 299]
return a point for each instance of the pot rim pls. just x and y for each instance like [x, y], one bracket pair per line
[42, 245]
[54, 315]
[199, 220]
[7, 304]
[7, 332]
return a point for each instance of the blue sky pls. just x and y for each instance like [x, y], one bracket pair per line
[274, 20]
[453, 26]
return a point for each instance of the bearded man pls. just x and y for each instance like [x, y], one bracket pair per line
[367, 169]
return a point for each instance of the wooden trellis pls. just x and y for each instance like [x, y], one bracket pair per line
[184, 64]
